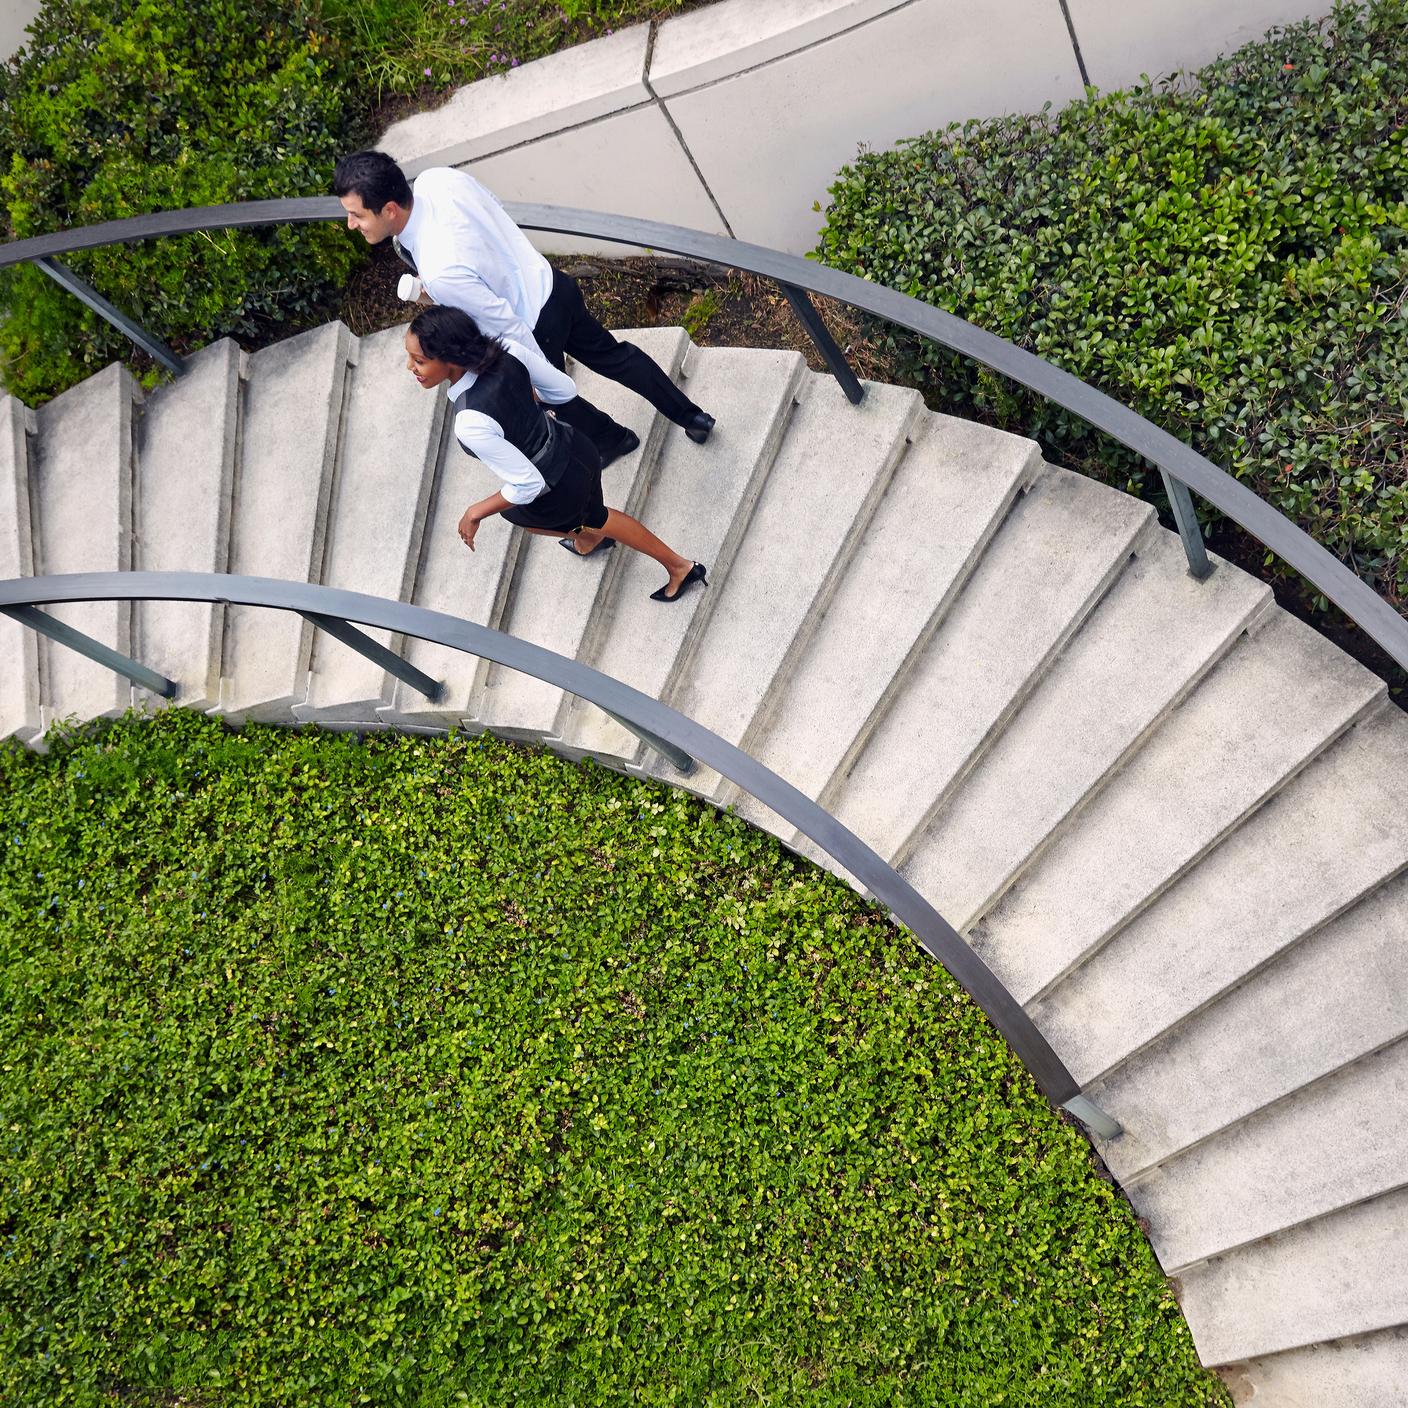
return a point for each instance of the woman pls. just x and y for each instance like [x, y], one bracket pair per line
[552, 475]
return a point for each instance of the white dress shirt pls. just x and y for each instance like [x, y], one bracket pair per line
[471, 256]
[483, 437]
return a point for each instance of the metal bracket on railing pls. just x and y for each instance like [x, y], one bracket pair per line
[681, 760]
[1093, 1117]
[1186, 516]
[153, 346]
[805, 310]
[100, 654]
[377, 653]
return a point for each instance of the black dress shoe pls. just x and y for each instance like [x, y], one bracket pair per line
[698, 426]
[695, 574]
[628, 442]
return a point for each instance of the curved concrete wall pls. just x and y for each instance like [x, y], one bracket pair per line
[735, 118]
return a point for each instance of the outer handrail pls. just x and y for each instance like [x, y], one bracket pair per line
[938, 937]
[1379, 621]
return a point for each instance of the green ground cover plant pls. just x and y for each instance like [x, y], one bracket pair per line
[411, 46]
[445, 1072]
[1227, 255]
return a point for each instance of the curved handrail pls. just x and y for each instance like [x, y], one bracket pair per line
[937, 936]
[1379, 621]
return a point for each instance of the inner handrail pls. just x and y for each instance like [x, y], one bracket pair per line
[1180, 464]
[940, 940]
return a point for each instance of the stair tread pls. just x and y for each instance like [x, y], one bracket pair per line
[1364, 1371]
[699, 501]
[948, 497]
[797, 544]
[1206, 767]
[1263, 888]
[1328, 1001]
[391, 445]
[282, 487]
[185, 478]
[1277, 1169]
[1055, 555]
[1303, 1286]
[553, 596]
[1095, 705]
[85, 525]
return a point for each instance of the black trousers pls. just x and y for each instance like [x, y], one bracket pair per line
[566, 329]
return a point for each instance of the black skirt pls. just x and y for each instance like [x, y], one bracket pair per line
[573, 498]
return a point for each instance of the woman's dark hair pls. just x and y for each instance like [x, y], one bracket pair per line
[450, 335]
[373, 178]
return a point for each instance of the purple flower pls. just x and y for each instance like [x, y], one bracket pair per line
[427, 73]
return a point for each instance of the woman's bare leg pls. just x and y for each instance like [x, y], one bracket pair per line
[634, 534]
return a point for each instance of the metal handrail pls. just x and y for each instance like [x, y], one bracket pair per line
[681, 736]
[1181, 466]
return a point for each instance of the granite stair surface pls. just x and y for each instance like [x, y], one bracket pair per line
[1170, 817]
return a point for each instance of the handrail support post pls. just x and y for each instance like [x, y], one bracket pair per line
[824, 343]
[93, 650]
[86, 293]
[1186, 516]
[1093, 1117]
[377, 653]
[677, 756]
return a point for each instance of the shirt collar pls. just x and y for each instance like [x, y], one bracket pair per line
[410, 232]
[461, 386]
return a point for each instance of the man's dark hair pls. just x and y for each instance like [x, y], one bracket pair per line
[451, 335]
[373, 178]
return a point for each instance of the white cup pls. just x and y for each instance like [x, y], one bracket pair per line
[410, 288]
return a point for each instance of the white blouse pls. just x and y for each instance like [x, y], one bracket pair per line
[483, 437]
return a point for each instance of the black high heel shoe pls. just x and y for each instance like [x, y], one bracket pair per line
[695, 574]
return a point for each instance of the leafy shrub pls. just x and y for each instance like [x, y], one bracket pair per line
[114, 109]
[1228, 258]
[442, 1072]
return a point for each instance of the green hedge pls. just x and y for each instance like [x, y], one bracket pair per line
[1228, 257]
[117, 108]
[442, 1072]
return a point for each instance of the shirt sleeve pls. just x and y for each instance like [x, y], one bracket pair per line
[483, 437]
[458, 286]
[553, 387]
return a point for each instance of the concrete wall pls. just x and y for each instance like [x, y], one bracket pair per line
[735, 118]
[14, 16]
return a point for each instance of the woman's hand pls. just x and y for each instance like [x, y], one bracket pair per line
[468, 527]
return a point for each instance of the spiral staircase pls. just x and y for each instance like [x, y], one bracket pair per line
[1170, 817]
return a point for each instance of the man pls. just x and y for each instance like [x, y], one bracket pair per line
[459, 241]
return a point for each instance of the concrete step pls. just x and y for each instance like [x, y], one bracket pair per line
[1346, 1274]
[283, 482]
[187, 444]
[1331, 999]
[552, 597]
[1281, 1167]
[450, 578]
[394, 432]
[948, 497]
[1209, 766]
[1060, 549]
[20, 715]
[1267, 886]
[701, 506]
[84, 519]
[793, 557]
[1365, 1371]
[1143, 648]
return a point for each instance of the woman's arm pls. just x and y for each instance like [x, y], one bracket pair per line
[550, 386]
[475, 514]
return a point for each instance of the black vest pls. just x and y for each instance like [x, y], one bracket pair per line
[505, 393]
